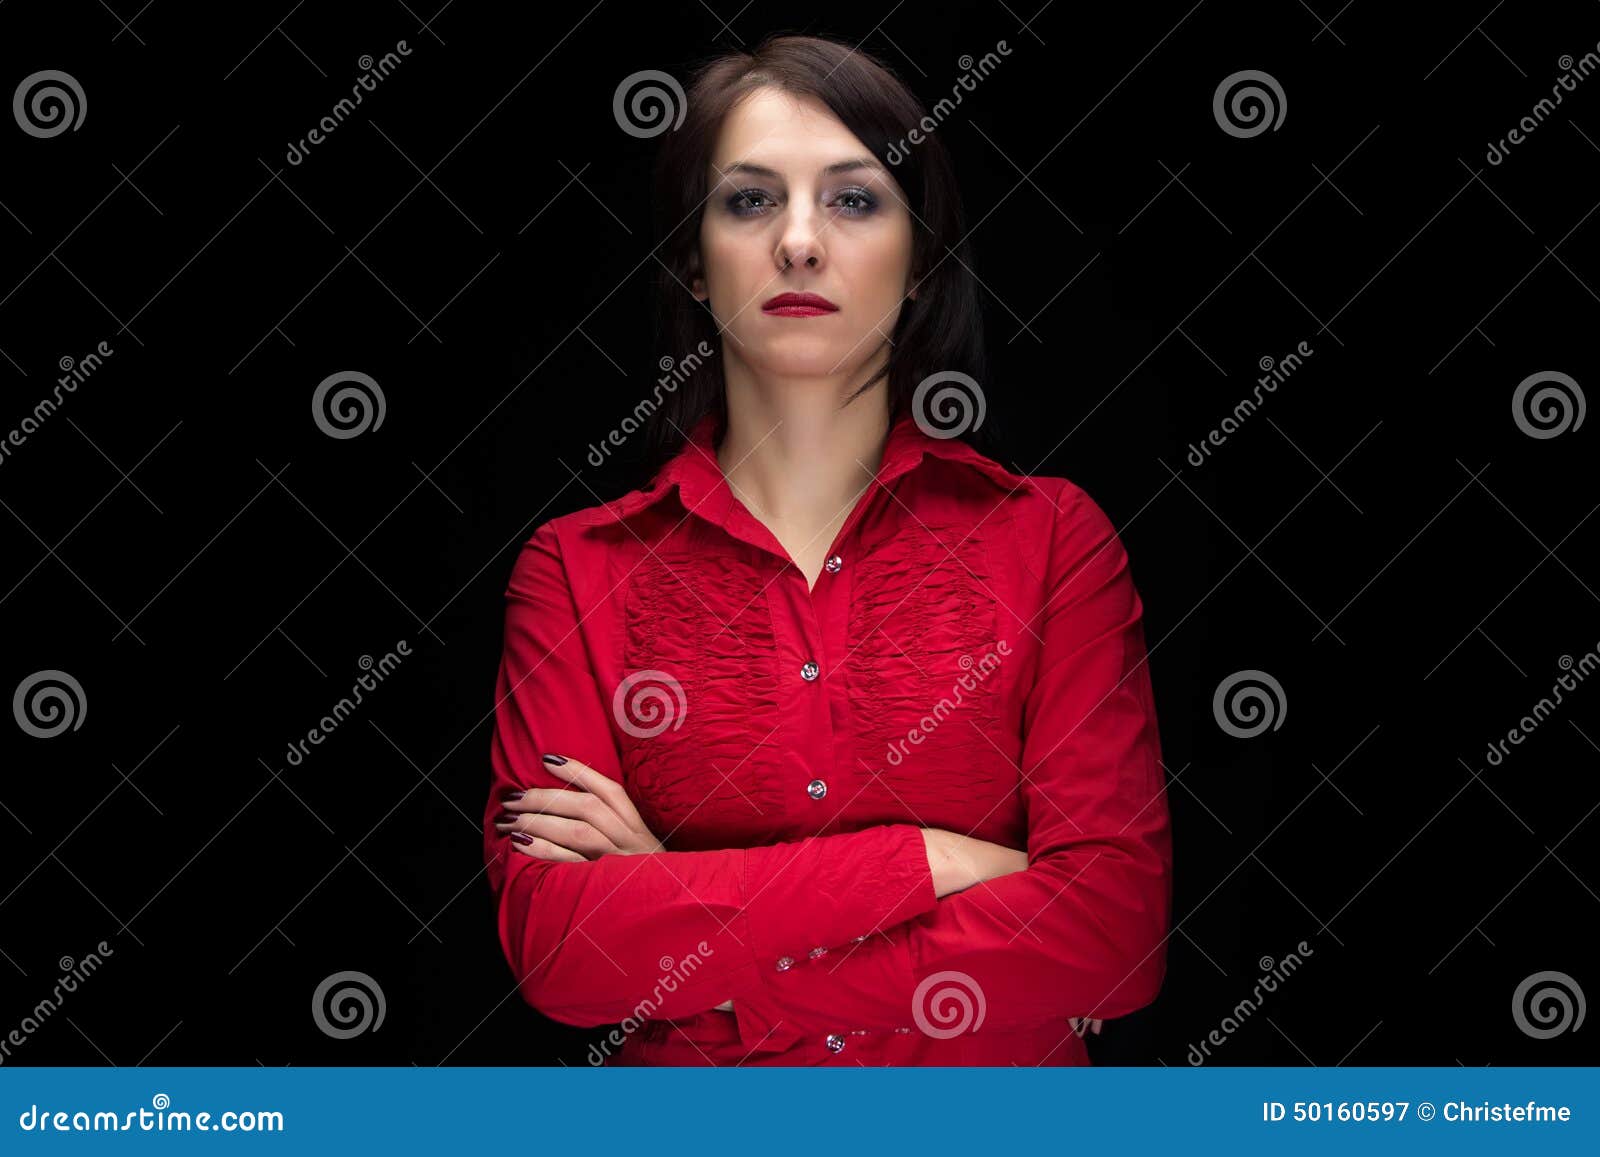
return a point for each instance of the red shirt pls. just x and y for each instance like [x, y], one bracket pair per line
[972, 657]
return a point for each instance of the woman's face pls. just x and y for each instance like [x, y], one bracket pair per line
[789, 180]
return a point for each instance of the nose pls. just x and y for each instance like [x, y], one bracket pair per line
[800, 242]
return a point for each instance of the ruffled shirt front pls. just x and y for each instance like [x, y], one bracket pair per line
[972, 657]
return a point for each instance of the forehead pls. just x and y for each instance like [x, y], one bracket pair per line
[783, 131]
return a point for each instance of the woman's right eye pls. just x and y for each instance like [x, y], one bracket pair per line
[744, 203]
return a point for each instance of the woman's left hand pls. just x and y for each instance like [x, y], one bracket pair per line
[558, 824]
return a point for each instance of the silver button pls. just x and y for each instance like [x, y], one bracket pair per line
[816, 952]
[816, 789]
[833, 564]
[809, 671]
[835, 1042]
[785, 963]
[858, 940]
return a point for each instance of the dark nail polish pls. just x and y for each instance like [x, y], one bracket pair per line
[506, 818]
[522, 837]
[558, 760]
[511, 797]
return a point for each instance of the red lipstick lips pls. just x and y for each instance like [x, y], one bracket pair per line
[798, 305]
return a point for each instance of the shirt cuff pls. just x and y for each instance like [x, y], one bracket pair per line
[801, 898]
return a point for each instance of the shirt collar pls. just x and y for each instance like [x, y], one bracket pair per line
[703, 489]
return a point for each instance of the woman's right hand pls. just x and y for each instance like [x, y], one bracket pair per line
[958, 862]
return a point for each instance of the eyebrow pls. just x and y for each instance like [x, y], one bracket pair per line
[773, 174]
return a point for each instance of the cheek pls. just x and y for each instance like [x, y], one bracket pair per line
[881, 269]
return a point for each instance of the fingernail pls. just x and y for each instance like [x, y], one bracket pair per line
[522, 837]
[511, 797]
[555, 759]
[505, 818]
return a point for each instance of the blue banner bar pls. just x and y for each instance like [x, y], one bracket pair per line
[707, 1112]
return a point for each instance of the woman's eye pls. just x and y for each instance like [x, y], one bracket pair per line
[753, 202]
[745, 202]
[859, 201]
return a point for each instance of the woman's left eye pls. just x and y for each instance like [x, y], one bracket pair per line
[863, 201]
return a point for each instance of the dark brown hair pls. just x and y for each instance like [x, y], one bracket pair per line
[940, 330]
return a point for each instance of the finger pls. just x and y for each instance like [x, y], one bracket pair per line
[602, 787]
[574, 834]
[545, 850]
[578, 805]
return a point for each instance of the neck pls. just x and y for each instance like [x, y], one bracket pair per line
[796, 457]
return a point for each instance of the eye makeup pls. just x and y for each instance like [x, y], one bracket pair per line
[855, 201]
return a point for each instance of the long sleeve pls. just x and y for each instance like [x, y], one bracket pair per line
[667, 934]
[1082, 931]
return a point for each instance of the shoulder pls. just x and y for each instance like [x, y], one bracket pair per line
[1069, 531]
[567, 544]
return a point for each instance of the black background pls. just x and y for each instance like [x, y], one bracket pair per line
[1381, 537]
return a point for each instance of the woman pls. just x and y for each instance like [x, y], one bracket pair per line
[835, 743]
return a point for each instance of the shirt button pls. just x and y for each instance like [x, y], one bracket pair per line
[816, 952]
[833, 564]
[809, 671]
[858, 940]
[816, 789]
[785, 963]
[835, 1042]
